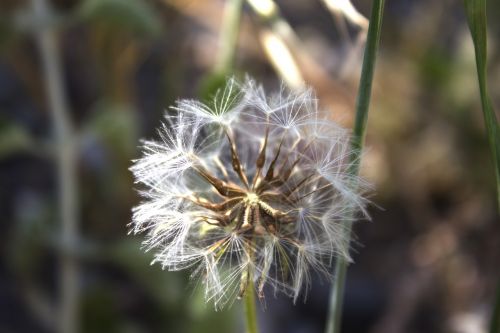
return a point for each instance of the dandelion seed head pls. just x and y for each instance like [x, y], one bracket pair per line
[246, 190]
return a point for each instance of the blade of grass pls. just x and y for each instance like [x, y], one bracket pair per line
[476, 17]
[362, 107]
[495, 318]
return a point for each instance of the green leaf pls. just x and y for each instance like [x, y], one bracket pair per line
[134, 16]
[476, 17]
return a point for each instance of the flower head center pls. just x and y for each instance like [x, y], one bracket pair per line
[252, 199]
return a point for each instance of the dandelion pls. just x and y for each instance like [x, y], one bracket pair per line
[248, 191]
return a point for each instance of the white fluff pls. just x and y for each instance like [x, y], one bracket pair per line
[279, 229]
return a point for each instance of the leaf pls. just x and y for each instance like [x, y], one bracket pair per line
[134, 16]
[476, 17]
[361, 118]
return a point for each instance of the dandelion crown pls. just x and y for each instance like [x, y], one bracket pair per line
[247, 191]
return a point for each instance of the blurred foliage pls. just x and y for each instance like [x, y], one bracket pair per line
[7, 32]
[134, 16]
[13, 139]
[210, 84]
[115, 126]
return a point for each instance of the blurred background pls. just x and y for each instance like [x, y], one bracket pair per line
[81, 81]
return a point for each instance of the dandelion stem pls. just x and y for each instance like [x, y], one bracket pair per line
[228, 36]
[250, 309]
[249, 290]
[66, 160]
[362, 107]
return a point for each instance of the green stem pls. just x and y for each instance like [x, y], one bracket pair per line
[250, 309]
[228, 36]
[362, 107]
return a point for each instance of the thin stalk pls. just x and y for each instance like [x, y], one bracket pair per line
[250, 309]
[229, 36]
[66, 162]
[362, 107]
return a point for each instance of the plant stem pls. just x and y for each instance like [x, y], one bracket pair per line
[250, 309]
[66, 160]
[228, 36]
[362, 107]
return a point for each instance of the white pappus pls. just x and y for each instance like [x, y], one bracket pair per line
[247, 191]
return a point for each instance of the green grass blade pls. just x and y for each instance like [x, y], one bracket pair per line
[362, 107]
[476, 17]
[495, 318]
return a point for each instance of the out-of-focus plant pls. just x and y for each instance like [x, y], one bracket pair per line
[13, 139]
[228, 40]
[278, 42]
[120, 33]
[119, 30]
[133, 16]
[67, 153]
